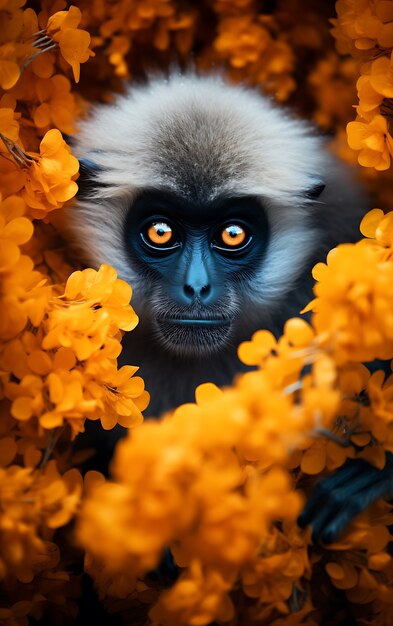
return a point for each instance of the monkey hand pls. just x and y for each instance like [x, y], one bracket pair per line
[337, 499]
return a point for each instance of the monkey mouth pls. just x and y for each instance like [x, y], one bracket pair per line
[197, 322]
[194, 336]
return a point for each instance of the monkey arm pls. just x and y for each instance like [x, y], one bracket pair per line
[337, 499]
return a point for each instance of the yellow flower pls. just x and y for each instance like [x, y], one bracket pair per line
[381, 75]
[255, 351]
[210, 481]
[102, 290]
[373, 140]
[369, 99]
[241, 40]
[15, 230]
[58, 106]
[9, 69]
[32, 500]
[94, 307]
[9, 126]
[378, 227]
[73, 42]
[363, 25]
[270, 578]
[380, 418]
[198, 597]
[353, 296]
[124, 398]
[24, 298]
[49, 178]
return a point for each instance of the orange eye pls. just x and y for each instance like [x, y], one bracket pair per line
[233, 235]
[159, 233]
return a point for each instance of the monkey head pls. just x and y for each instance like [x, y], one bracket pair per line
[205, 197]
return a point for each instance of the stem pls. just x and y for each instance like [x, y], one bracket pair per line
[22, 159]
[344, 443]
[53, 438]
[33, 56]
[42, 41]
[294, 387]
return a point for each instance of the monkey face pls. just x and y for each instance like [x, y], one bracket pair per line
[195, 257]
[205, 198]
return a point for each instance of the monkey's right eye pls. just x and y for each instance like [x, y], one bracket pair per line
[160, 236]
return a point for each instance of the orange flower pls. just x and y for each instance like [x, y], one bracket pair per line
[209, 481]
[369, 99]
[15, 46]
[58, 107]
[124, 398]
[15, 230]
[242, 40]
[198, 597]
[73, 42]
[9, 125]
[381, 75]
[353, 296]
[103, 290]
[323, 454]
[373, 140]
[56, 399]
[255, 351]
[380, 418]
[24, 298]
[94, 307]
[371, 222]
[283, 560]
[49, 178]
[9, 69]
[361, 567]
[378, 227]
[220, 527]
[30, 501]
[82, 325]
[363, 24]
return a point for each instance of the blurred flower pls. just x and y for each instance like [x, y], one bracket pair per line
[373, 140]
[241, 40]
[30, 500]
[369, 99]
[58, 107]
[363, 24]
[197, 597]
[15, 230]
[381, 75]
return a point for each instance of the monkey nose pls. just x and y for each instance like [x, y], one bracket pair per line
[193, 292]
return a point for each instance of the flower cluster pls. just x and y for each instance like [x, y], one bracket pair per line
[199, 474]
[216, 486]
[365, 30]
[196, 486]
[67, 369]
[60, 330]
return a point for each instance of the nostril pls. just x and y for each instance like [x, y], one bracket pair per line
[192, 292]
[189, 291]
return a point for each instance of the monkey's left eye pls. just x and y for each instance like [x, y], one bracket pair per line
[232, 237]
[160, 236]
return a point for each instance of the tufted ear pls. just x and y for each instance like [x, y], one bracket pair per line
[316, 189]
[87, 175]
[87, 166]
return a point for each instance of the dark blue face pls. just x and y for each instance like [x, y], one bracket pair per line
[195, 259]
